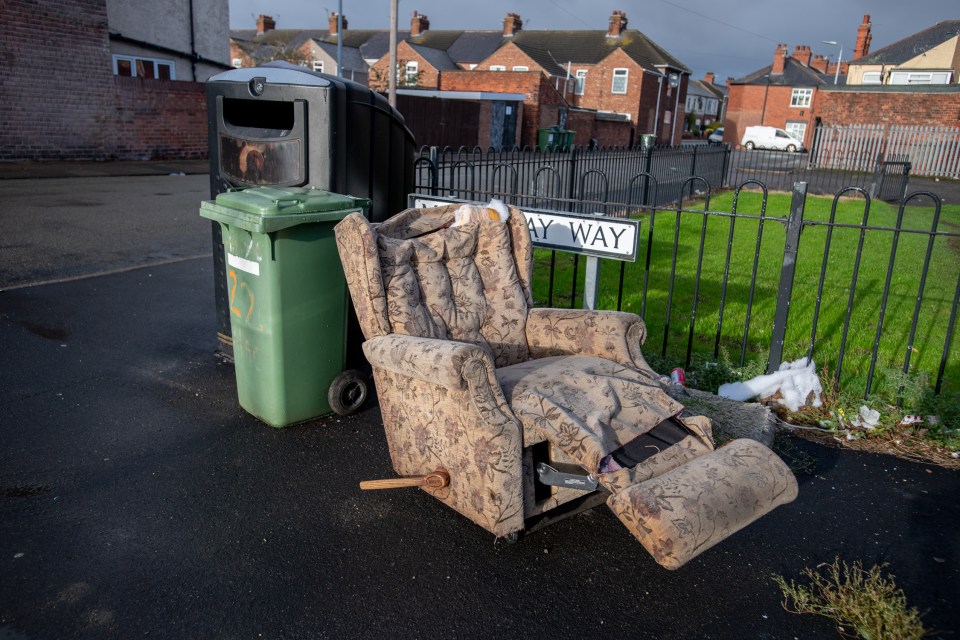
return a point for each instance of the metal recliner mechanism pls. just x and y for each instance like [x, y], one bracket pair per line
[570, 476]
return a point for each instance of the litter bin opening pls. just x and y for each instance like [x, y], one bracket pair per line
[268, 117]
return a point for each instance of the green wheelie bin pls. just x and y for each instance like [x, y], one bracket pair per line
[288, 301]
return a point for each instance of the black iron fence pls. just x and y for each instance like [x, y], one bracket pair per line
[766, 277]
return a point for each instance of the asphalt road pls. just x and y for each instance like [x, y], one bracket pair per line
[137, 499]
[69, 227]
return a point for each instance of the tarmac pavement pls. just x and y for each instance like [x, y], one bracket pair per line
[138, 499]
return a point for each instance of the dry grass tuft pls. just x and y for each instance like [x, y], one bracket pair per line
[865, 604]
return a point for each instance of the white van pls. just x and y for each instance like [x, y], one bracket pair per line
[770, 138]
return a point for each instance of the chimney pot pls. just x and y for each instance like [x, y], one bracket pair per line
[618, 24]
[864, 36]
[418, 24]
[709, 77]
[802, 54]
[333, 23]
[265, 23]
[779, 58]
[511, 24]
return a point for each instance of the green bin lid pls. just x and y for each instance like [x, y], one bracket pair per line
[268, 209]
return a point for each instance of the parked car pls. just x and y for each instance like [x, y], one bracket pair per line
[716, 136]
[770, 138]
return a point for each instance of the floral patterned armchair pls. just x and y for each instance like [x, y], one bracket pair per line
[475, 381]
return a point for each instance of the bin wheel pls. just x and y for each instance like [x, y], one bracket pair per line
[348, 392]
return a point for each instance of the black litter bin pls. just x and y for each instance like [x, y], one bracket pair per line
[283, 125]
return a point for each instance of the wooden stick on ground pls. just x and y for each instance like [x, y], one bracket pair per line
[436, 480]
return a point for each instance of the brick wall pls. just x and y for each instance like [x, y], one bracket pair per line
[607, 133]
[159, 119]
[71, 106]
[597, 87]
[541, 100]
[872, 107]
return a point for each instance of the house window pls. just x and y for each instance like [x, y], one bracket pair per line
[237, 62]
[138, 67]
[619, 81]
[871, 77]
[497, 67]
[920, 77]
[801, 97]
[796, 129]
[318, 66]
[521, 68]
[412, 71]
[581, 82]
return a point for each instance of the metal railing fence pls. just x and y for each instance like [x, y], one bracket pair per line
[708, 281]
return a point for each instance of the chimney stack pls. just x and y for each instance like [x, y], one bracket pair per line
[819, 63]
[511, 24]
[419, 24]
[265, 23]
[864, 36]
[709, 77]
[333, 23]
[618, 24]
[802, 54]
[779, 58]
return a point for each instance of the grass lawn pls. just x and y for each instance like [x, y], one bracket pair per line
[937, 301]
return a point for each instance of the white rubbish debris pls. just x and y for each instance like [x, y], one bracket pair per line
[495, 211]
[795, 381]
[867, 418]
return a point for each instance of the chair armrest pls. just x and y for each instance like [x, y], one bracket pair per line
[442, 407]
[427, 359]
[613, 335]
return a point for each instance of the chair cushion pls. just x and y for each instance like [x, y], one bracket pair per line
[584, 405]
[457, 283]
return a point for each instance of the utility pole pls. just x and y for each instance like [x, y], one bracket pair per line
[340, 38]
[392, 86]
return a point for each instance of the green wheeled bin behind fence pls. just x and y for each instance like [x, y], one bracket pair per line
[288, 301]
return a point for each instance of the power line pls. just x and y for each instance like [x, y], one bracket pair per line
[717, 20]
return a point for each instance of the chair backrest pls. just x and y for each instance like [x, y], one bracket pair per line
[415, 274]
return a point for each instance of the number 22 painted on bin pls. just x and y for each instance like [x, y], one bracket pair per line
[233, 295]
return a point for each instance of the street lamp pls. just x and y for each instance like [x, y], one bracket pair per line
[839, 58]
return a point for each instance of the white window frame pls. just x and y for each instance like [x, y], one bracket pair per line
[117, 57]
[318, 66]
[521, 67]
[237, 63]
[901, 77]
[620, 73]
[796, 129]
[801, 97]
[581, 82]
[497, 67]
[872, 77]
[411, 72]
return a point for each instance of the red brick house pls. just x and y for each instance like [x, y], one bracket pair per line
[781, 95]
[617, 71]
[784, 94]
[600, 79]
[418, 67]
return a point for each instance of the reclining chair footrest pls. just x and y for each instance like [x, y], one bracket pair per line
[684, 512]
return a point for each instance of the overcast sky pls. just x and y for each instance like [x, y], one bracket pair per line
[728, 37]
